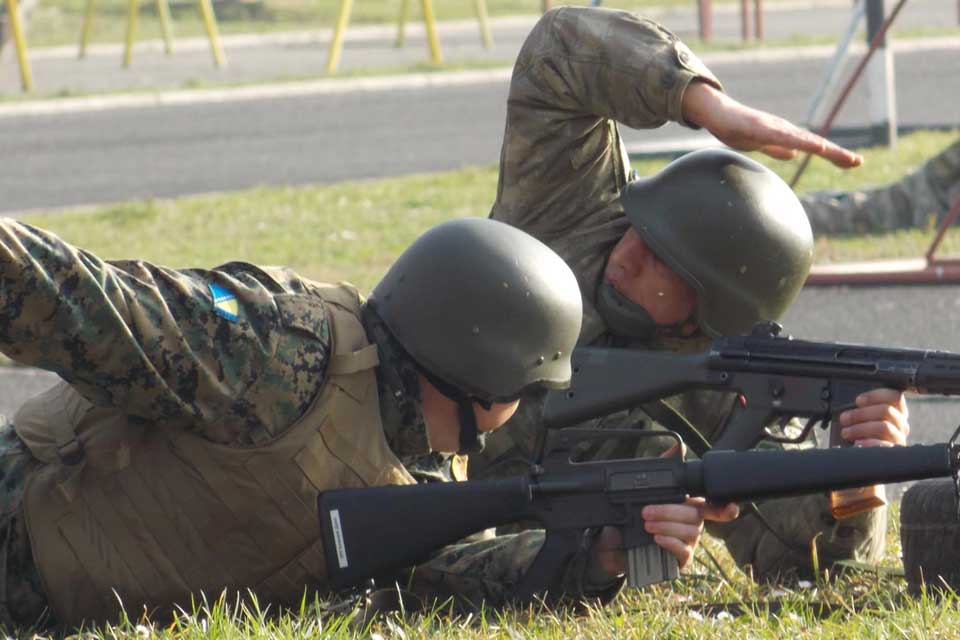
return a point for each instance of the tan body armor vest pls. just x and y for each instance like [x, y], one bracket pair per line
[150, 517]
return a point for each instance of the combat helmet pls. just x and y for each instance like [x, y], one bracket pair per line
[732, 229]
[486, 312]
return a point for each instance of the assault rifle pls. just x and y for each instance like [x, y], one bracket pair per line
[777, 379]
[377, 531]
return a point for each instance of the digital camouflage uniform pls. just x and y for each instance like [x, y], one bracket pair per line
[561, 169]
[918, 199]
[161, 350]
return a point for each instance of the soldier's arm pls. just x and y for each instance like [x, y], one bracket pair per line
[596, 63]
[578, 72]
[152, 341]
[798, 521]
[487, 572]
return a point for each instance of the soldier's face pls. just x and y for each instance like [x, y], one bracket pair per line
[634, 271]
[441, 416]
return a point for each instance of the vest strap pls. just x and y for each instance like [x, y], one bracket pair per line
[347, 363]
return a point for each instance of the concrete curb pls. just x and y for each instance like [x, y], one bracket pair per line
[328, 86]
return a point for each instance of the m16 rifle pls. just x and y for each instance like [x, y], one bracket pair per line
[377, 531]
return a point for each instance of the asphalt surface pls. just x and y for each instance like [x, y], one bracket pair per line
[107, 155]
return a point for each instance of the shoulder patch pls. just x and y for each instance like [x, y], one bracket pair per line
[225, 303]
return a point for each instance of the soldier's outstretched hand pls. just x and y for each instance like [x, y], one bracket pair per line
[748, 129]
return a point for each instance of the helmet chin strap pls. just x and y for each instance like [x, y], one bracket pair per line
[628, 319]
[471, 440]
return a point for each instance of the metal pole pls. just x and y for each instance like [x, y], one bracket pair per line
[705, 11]
[948, 221]
[758, 19]
[163, 13]
[20, 43]
[825, 128]
[430, 21]
[336, 44]
[131, 32]
[86, 28]
[402, 23]
[213, 34]
[484, 25]
[880, 80]
[745, 19]
[830, 77]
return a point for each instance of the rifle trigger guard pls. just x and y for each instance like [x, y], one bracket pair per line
[807, 428]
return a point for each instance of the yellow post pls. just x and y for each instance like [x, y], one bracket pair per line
[16, 28]
[131, 32]
[213, 34]
[484, 25]
[431, 23]
[163, 12]
[402, 22]
[85, 29]
[336, 44]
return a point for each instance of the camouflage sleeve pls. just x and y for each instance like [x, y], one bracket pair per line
[797, 521]
[580, 71]
[486, 572]
[919, 199]
[584, 62]
[154, 341]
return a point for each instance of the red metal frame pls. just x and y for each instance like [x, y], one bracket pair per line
[926, 270]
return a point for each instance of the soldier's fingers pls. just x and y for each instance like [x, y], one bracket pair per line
[689, 533]
[780, 153]
[685, 513]
[882, 396]
[878, 430]
[876, 412]
[873, 442]
[785, 134]
[680, 550]
[721, 512]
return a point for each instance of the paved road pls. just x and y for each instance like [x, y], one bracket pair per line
[115, 154]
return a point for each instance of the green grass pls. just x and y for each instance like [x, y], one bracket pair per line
[354, 230]
[704, 604]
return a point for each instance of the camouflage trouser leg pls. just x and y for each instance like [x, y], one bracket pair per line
[919, 199]
[22, 600]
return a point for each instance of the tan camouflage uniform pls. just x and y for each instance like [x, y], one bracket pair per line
[918, 199]
[146, 339]
[562, 166]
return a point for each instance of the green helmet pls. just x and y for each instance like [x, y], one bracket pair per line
[485, 310]
[732, 229]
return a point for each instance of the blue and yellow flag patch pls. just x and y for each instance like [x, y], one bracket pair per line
[225, 303]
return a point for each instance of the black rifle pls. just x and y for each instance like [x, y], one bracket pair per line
[777, 379]
[374, 532]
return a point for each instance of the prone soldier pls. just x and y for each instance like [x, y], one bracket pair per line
[709, 246]
[203, 410]
[921, 197]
